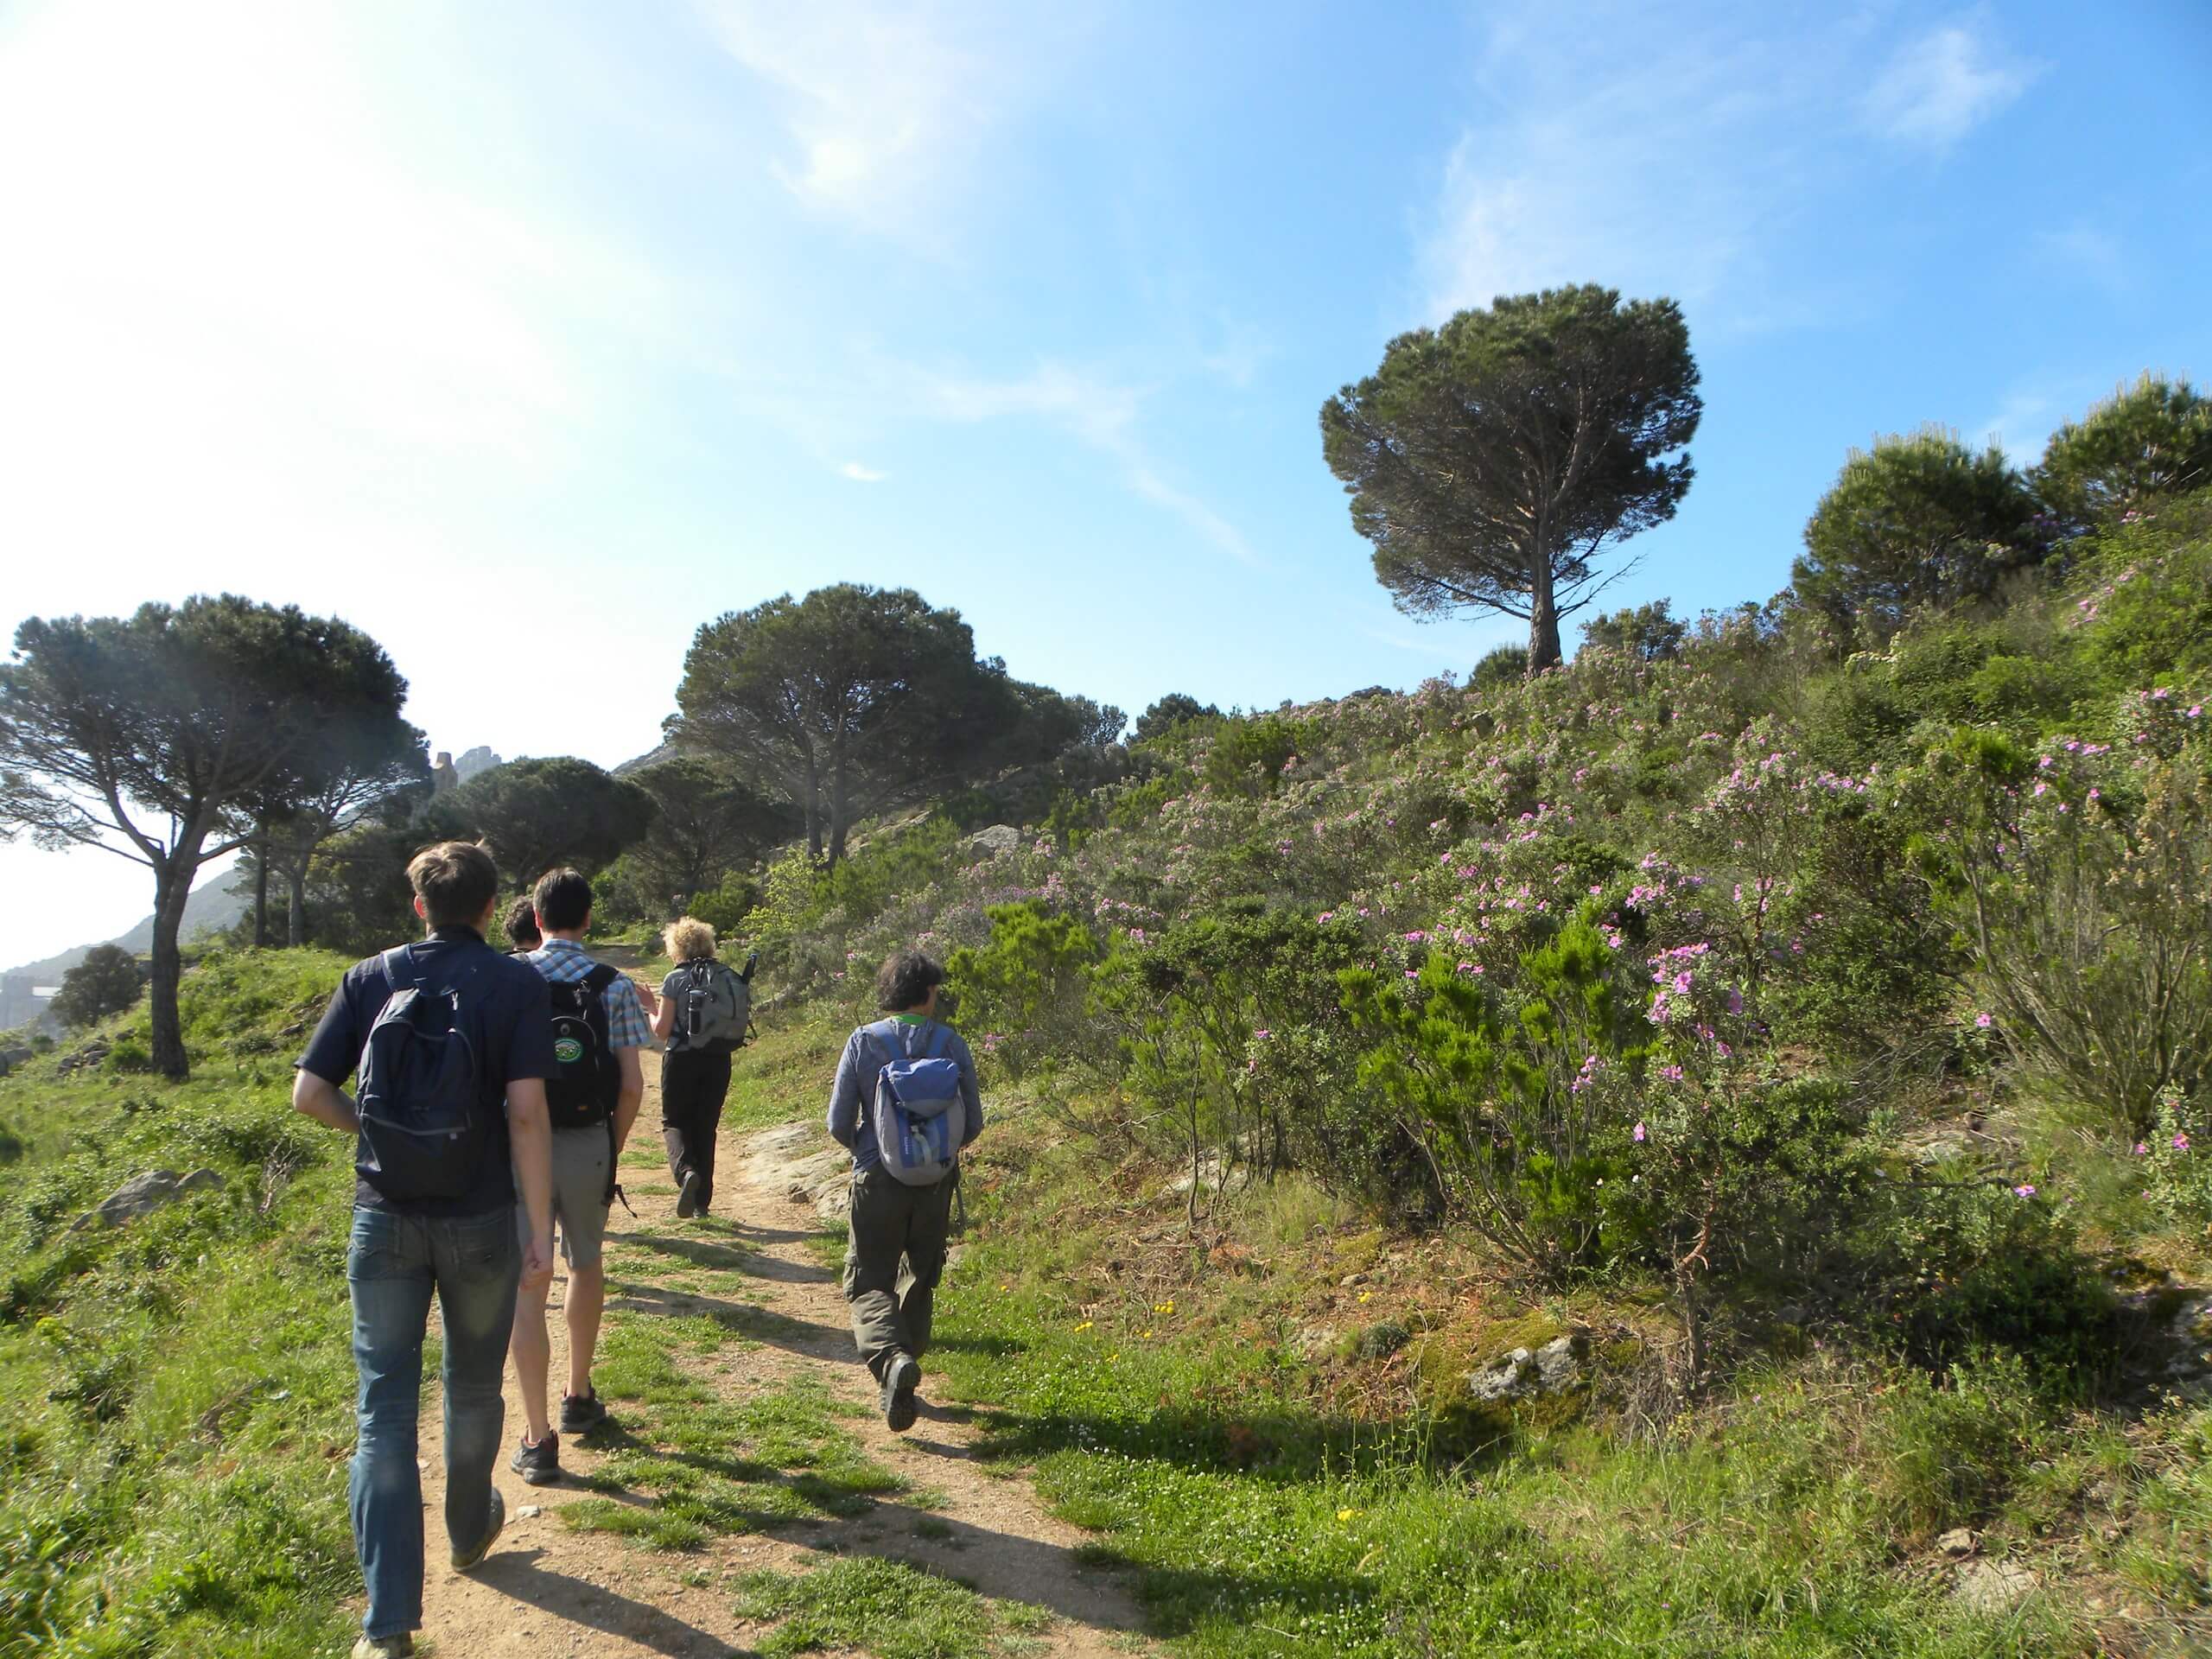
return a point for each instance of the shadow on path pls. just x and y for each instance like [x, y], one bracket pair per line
[579, 1602]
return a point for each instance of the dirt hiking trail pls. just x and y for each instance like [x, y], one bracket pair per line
[549, 1589]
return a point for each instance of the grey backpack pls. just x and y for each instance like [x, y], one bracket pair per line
[711, 1006]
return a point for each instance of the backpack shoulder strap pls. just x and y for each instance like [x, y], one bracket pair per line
[399, 968]
[940, 1039]
[601, 976]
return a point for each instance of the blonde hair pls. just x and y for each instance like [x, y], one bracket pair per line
[688, 939]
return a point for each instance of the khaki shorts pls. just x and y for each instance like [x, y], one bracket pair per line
[579, 1171]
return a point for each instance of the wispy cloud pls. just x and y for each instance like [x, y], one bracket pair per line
[2094, 255]
[2022, 424]
[860, 474]
[1102, 415]
[1940, 85]
[887, 113]
[1590, 124]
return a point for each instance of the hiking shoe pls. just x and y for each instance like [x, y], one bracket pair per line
[465, 1559]
[539, 1465]
[901, 1378]
[385, 1646]
[582, 1412]
[687, 1201]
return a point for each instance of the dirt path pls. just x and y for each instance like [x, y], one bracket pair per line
[549, 1589]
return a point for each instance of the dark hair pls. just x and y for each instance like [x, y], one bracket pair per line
[564, 899]
[456, 880]
[521, 924]
[904, 979]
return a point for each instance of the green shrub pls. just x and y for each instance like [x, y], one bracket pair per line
[1028, 990]
[1508, 665]
[1247, 756]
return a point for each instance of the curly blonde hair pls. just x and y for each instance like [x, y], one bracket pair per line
[688, 939]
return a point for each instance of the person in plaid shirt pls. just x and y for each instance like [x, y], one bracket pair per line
[583, 1186]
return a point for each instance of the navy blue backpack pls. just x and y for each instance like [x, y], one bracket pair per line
[423, 1126]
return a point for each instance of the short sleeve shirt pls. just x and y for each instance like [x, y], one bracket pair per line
[510, 1023]
[563, 962]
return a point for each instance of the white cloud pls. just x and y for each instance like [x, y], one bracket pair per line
[887, 113]
[1641, 152]
[1104, 416]
[860, 474]
[1939, 86]
[2022, 425]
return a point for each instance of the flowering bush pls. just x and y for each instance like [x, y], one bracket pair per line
[2178, 1152]
[1026, 993]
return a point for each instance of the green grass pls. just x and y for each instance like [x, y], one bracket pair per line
[1792, 1515]
[886, 1608]
[177, 1391]
[685, 1464]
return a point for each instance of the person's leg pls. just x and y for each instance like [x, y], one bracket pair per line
[876, 1235]
[581, 1159]
[707, 1119]
[388, 1274]
[532, 1348]
[478, 1264]
[928, 1228]
[679, 1130]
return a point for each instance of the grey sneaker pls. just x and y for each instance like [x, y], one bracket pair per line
[901, 1378]
[385, 1646]
[539, 1465]
[582, 1412]
[465, 1559]
[687, 1201]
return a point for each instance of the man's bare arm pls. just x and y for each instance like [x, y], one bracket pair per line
[323, 1101]
[532, 1134]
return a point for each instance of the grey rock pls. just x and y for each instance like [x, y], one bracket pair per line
[1993, 1588]
[994, 842]
[1316, 1341]
[142, 1194]
[1558, 1366]
[1958, 1543]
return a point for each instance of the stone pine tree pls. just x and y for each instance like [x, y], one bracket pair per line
[1920, 519]
[2151, 439]
[108, 981]
[846, 703]
[538, 815]
[150, 735]
[1491, 460]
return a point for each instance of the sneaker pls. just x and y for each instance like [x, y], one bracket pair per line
[465, 1559]
[385, 1646]
[539, 1465]
[687, 1201]
[901, 1378]
[581, 1414]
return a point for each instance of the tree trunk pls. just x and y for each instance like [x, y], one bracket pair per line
[1543, 616]
[172, 887]
[261, 886]
[840, 815]
[296, 881]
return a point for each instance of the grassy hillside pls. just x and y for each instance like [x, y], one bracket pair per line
[177, 1392]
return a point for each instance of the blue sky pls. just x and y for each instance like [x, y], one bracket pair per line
[526, 330]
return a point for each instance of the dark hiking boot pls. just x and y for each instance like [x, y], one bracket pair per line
[901, 1378]
[465, 1559]
[582, 1412]
[687, 1201]
[539, 1465]
[385, 1646]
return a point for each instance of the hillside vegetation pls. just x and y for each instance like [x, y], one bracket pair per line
[1792, 1029]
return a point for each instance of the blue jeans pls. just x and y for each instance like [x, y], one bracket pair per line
[393, 1264]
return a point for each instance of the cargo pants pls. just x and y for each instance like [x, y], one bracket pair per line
[891, 1220]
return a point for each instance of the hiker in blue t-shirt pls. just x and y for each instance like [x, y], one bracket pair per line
[453, 1043]
[909, 1076]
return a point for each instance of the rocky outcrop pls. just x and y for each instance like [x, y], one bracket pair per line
[144, 1194]
[800, 1161]
[1560, 1366]
[994, 842]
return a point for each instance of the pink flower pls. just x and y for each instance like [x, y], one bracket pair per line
[1638, 1135]
[1983, 1022]
[2025, 1190]
[2141, 1149]
[1672, 1073]
[2181, 1143]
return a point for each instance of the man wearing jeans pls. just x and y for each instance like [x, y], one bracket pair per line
[464, 1248]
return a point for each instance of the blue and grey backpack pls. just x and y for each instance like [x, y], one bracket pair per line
[423, 1128]
[919, 1114]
